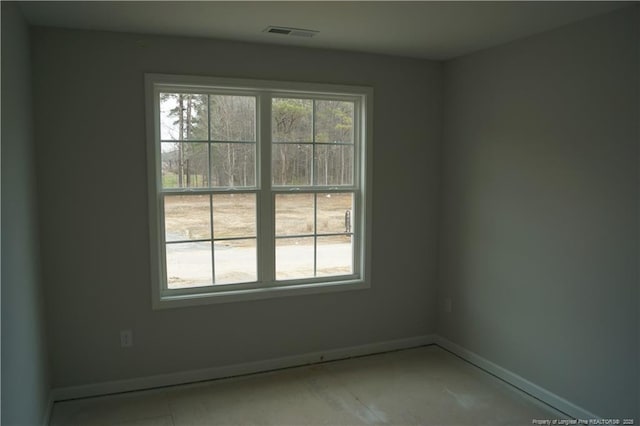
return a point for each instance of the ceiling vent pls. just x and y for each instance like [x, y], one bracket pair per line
[294, 32]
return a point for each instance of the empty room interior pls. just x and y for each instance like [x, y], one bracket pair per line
[320, 213]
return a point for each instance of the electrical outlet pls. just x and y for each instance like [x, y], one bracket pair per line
[446, 304]
[126, 338]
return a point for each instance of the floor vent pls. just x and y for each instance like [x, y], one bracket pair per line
[294, 32]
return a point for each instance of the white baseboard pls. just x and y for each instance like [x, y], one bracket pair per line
[141, 383]
[192, 376]
[555, 401]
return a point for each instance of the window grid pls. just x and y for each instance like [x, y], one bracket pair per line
[259, 162]
[209, 189]
[315, 187]
[316, 232]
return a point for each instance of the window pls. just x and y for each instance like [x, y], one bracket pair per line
[256, 188]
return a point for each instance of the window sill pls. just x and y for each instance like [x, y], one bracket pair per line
[235, 295]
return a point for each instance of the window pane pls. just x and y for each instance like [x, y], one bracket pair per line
[233, 118]
[334, 165]
[233, 165]
[291, 164]
[294, 214]
[291, 120]
[334, 213]
[189, 265]
[236, 261]
[187, 217]
[234, 215]
[335, 256]
[184, 165]
[334, 121]
[294, 258]
[183, 117]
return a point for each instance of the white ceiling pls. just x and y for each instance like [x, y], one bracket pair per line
[434, 30]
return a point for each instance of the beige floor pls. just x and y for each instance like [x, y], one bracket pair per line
[426, 386]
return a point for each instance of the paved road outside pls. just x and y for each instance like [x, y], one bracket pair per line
[189, 265]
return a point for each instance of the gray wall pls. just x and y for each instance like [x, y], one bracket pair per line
[539, 244]
[90, 133]
[25, 371]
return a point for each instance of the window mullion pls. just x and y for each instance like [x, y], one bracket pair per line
[315, 235]
[314, 182]
[209, 168]
[313, 144]
[213, 242]
[265, 211]
[163, 239]
[358, 218]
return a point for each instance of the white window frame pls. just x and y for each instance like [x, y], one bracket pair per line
[266, 286]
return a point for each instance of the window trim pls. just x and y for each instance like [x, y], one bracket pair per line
[264, 191]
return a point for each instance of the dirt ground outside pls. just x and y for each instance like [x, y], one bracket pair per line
[188, 218]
